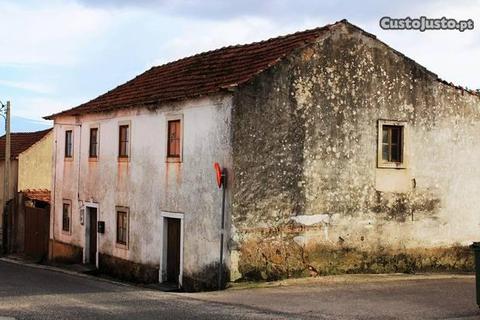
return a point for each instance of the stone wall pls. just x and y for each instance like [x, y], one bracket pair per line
[309, 197]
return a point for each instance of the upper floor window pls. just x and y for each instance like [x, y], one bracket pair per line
[391, 144]
[124, 143]
[93, 149]
[68, 144]
[174, 139]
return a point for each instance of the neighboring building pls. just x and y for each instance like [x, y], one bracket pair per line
[343, 156]
[30, 169]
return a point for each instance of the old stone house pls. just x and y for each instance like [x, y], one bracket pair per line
[343, 156]
[29, 187]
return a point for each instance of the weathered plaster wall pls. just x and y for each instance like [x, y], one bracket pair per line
[148, 184]
[12, 186]
[35, 165]
[309, 198]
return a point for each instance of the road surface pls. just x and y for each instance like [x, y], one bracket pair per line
[32, 293]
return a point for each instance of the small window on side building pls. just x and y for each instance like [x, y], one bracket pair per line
[93, 150]
[391, 144]
[122, 226]
[66, 214]
[124, 143]
[68, 144]
[174, 139]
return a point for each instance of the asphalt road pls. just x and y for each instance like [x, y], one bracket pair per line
[29, 293]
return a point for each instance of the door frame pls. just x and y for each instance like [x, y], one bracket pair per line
[86, 248]
[163, 261]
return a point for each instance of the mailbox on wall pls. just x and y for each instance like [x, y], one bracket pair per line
[101, 227]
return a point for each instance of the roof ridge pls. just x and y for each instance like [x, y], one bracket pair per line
[199, 55]
[29, 132]
[248, 44]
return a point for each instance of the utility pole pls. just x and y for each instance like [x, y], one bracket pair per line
[5, 112]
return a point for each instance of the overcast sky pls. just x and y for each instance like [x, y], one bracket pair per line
[56, 54]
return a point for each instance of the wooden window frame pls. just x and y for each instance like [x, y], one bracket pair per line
[91, 156]
[68, 152]
[118, 242]
[127, 156]
[69, 204]
[170, 157]
[382, 163]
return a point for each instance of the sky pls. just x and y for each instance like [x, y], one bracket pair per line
[57, 54]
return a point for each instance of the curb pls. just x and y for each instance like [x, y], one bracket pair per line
[64, 271]
[349, 279]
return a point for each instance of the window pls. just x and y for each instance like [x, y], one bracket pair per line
[122, 226]
[124, 144]
[66, 217]
[93, 151]
[174, 136]
[68, 144]
[391, 144]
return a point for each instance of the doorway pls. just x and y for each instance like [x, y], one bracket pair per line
[172, 249]
[91, 237]
[37, 228]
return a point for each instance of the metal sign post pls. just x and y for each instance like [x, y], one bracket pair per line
[222, 183]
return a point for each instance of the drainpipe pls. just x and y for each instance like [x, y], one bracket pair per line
[54, 183]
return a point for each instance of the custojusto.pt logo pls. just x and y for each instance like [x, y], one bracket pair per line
[423, 24]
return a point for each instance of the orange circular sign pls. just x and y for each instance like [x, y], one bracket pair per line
[218, 171]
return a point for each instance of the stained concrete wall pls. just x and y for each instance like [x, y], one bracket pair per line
[309, 198]
[12, 189]
[35, 165]
[147, 184]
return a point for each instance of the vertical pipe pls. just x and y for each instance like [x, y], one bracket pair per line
[53, 196]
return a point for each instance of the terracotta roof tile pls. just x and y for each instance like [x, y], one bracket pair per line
[37, 194]
[21, 141]
[198, 75]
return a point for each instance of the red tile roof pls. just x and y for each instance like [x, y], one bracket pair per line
[21, 141]
[37, 194]
[198, 75]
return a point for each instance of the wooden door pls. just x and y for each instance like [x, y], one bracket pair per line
[37, 223]
[93, 236]
[173, 249]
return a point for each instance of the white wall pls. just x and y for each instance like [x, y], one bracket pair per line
[147, 184]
